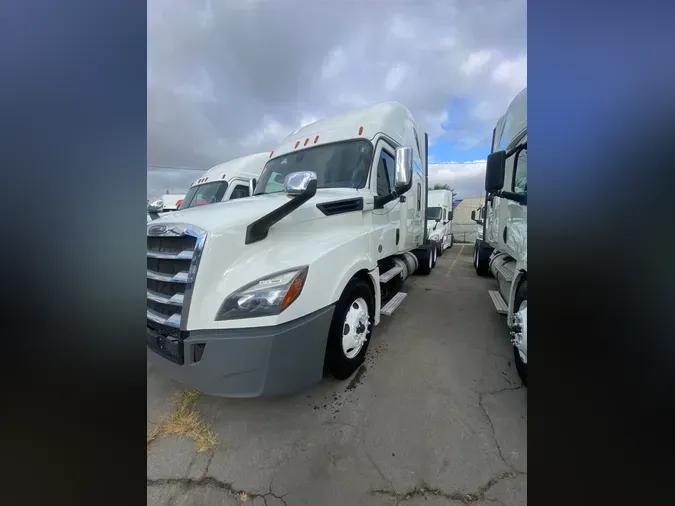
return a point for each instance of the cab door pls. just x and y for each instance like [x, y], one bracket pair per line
[386, 219]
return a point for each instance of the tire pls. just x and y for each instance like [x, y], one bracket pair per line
[452, 240]
[425, 259]
[434, 254]
[482, 266]
[521, 367]
[439, 248]
[342, 361]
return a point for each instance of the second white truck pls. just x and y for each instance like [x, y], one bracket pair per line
[502, 249]
[439, 219]
[255, 296]
[226, 181]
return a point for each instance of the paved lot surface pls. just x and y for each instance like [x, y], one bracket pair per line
[437, 415]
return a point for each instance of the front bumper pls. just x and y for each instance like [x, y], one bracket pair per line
[252, 362]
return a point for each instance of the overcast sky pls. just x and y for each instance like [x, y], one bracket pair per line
[228, 78]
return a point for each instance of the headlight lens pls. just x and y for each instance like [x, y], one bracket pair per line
[435, 235]
[264, 297]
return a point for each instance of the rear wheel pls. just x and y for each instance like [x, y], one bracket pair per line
[425, 258]
[434, 254]
[350, 329]
[482, 266]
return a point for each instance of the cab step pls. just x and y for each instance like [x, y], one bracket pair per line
[498, 301]
[387, 276]
[508, 270]
[393, 303]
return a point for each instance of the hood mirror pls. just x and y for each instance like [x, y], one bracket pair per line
[300, 183]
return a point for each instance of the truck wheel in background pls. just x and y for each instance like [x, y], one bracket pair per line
[521, 298]
[434, 254]
[482, 266]
[439, 248]
[452, 240]
[350, 329]
[425, 257]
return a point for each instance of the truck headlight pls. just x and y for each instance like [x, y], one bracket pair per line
[264, 297]
[436, 235]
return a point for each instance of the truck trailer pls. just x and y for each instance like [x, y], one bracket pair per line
[226, 181]
[439, 219]
[502, 249]
[256, 296]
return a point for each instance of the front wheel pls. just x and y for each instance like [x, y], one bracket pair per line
[439, 248]
[350, 329]
[520, 332]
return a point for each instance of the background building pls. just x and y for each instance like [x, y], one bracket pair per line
[463, 227]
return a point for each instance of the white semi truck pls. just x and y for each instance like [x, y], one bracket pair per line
[255, 296]
[226, 181]
[502, 250]
[439, 219]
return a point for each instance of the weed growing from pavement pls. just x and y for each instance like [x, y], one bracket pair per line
[184, 420]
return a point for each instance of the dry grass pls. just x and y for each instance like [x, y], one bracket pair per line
[184, 420]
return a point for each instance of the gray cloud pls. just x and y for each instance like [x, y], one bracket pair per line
[228, 78]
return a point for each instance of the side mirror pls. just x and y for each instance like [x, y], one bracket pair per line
[300, 183]
[473, 215]
[251, 186]
[494, 172]
[156, 206]
[404, 158]
[450, 213]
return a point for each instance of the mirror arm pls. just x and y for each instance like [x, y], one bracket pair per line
[520, 198]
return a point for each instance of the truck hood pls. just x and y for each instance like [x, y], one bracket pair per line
[238, 213]
[431, 225]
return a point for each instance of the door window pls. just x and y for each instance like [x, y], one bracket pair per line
[386, 168]
[240, 191]
[520, 175]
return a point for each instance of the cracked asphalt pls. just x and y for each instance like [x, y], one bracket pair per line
[436, 415]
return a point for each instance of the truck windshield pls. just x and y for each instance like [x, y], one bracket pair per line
[338, 165]
[434, 213]
[204, 194]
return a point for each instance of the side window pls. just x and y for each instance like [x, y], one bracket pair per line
[386, 168]
[520, 175]
[417, 140]
[240, 191]
[419, 196]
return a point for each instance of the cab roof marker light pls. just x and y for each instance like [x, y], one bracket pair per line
[316, 139]
[271, 154]
[360, 130]
[306, 141]
[297, 144]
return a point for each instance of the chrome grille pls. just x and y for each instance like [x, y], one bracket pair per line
[173, 253]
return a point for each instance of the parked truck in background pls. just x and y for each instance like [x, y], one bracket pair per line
[502, 251]
[439, 219]
[164, 204]
[226, 181]
[253, 297]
